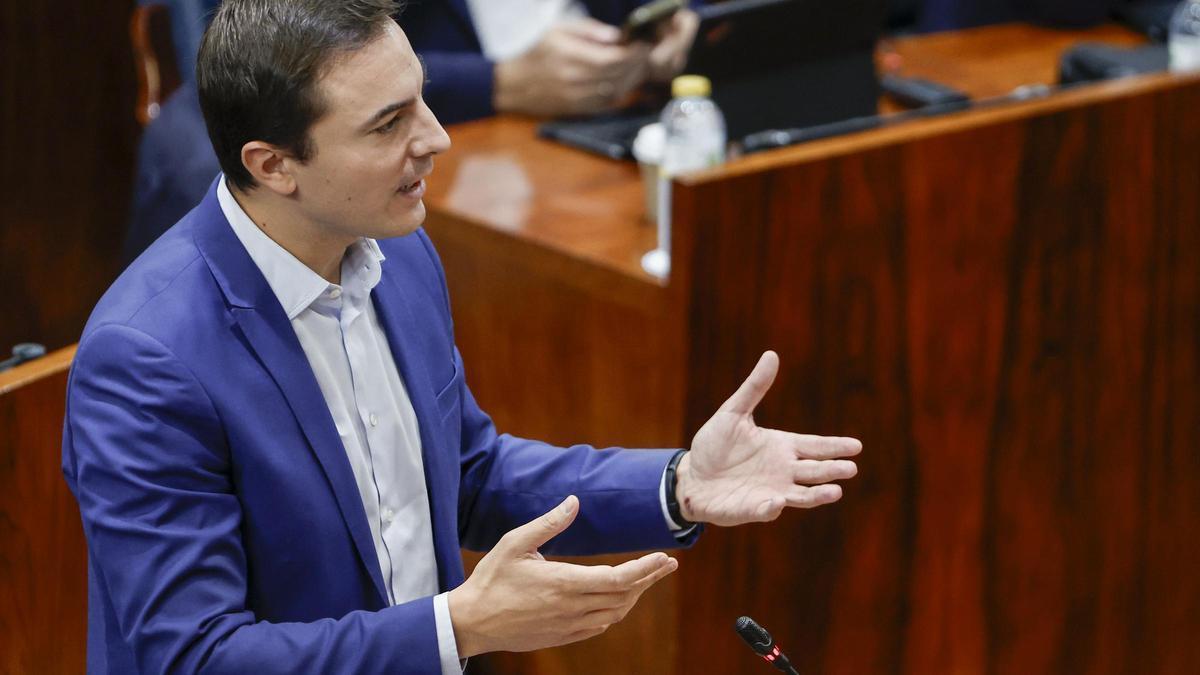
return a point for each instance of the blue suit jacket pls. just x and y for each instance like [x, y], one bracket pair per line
[224, 527]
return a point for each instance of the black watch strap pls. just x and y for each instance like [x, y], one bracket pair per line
[672, 502]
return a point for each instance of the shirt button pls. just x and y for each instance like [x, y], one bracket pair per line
[335, 293]
[374, 420]
[388, 515]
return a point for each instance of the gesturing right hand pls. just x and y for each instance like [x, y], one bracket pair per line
[518, 601]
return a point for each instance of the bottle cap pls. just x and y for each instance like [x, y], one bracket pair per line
[690, 85]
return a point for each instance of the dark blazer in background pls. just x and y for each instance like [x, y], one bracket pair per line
[951, 14]
[175, 165]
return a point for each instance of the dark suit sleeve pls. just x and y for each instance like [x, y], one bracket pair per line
[145, 454]
[460, 85]
[509, 481]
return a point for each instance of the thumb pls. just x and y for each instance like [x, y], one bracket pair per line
[532, 535]
[746, 398]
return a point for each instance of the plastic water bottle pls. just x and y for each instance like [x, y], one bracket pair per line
[695, 139]
[1184, 38]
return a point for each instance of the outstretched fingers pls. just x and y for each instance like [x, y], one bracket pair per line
[637, 573]
[807, 497]
[808, 446]
[815, 472]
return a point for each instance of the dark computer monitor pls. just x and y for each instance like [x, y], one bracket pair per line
[778, 64]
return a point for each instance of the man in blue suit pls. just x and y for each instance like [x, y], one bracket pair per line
[269, 432]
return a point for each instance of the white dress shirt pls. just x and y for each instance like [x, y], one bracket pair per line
[509, 28]
[349, 354]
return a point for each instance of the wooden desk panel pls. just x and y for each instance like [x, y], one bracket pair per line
[43, 556]
[1006, 312]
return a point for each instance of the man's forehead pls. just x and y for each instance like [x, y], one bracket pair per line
[384, 68]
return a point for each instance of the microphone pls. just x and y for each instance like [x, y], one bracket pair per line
[762, 644]
[26, 351]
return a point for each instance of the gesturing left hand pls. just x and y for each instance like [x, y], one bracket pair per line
[738, 472]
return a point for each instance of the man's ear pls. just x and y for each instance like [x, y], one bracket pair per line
[270, 167]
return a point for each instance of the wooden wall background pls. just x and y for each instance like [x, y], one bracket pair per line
[43, 556]
[1008, 315]
[67, 139]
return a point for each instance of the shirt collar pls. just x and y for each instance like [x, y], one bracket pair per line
[295, 284]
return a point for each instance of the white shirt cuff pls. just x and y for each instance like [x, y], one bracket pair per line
[447, 647]
[662, 500]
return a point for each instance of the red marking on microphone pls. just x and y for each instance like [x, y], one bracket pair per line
[770, 658]
[775, 651]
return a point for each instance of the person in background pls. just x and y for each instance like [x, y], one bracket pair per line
[540, 57]
[547, 58]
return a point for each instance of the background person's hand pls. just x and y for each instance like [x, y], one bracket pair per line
[669, 54]
[516, 600]
[738, 472]
[579, 67]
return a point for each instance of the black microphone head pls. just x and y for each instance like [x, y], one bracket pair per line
[754, 635]
[27, 351]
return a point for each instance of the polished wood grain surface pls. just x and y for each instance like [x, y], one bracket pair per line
[67, 137]
[1006, 313]
[994, 60]
[43, 557]
[543, 196]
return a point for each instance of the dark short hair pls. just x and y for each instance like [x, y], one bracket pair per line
[259, 65]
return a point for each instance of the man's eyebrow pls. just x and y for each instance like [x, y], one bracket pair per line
[393, 107]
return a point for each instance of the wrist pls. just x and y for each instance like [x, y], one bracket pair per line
[679, 500]
[460, 602]
[505, 76]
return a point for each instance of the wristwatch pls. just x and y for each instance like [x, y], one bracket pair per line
[673, 503]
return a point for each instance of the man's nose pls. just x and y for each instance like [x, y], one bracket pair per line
[431, 138]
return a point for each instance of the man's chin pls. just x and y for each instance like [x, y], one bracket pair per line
[402, 224]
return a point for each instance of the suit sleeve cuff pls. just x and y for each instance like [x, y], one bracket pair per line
[447, 647]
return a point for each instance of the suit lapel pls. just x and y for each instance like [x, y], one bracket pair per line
[399, 323]
[261, 320]
[276, 345]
